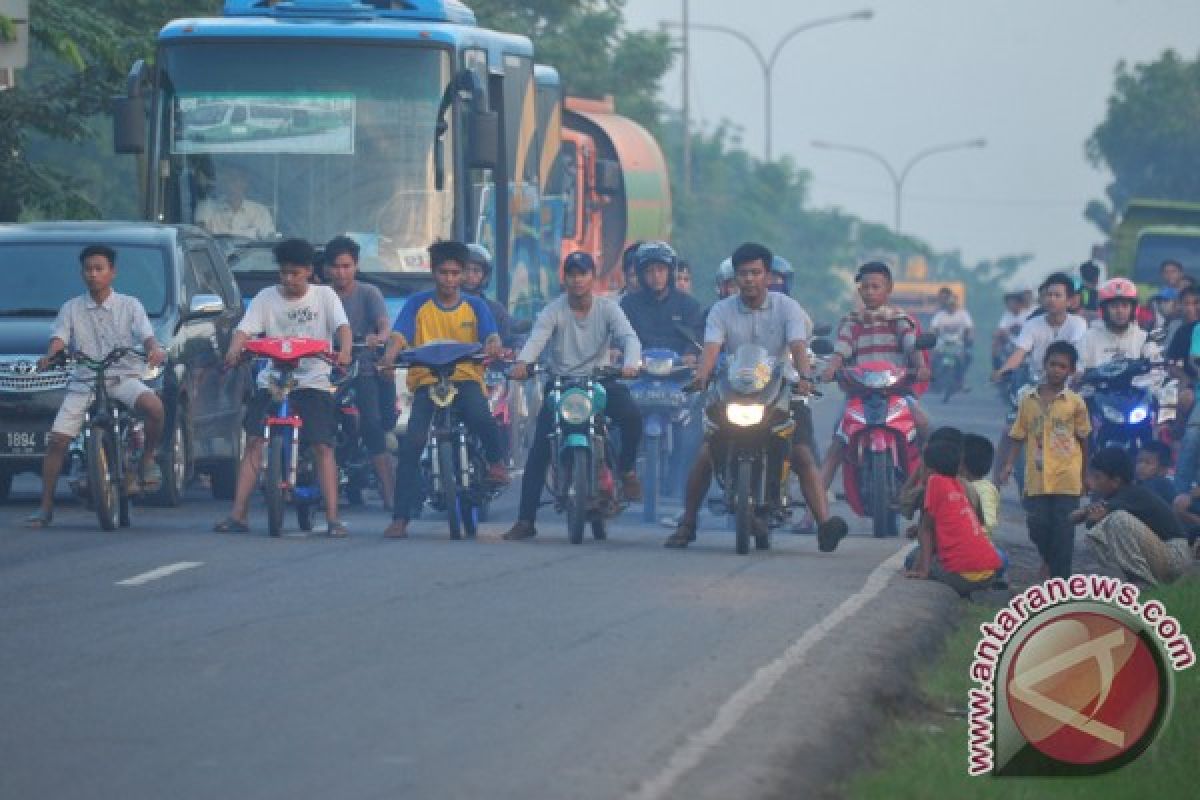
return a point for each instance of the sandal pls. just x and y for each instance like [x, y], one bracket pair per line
[684, 535]
[231, 525]
[830, 532]
[337, 530]
[152, 478]
[39, 519]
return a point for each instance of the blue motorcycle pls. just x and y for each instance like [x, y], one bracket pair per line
[666, 411]
[1123, 408]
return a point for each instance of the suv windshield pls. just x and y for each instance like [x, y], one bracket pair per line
[41, 277]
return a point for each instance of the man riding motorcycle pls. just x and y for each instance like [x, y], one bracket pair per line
[954, 324]
[1118, 336]
[477, 274]
[658, 310]
[773, 320]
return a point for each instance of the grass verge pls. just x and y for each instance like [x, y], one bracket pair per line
[925, 755]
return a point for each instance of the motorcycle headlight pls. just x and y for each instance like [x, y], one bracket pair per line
[659, 366]
[1139, 414]
[745, 414]
[1114, 415]
[575, 407]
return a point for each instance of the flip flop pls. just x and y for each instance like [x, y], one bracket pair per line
[337, 530]
[39, 519]
[152, 478]
[231, 525]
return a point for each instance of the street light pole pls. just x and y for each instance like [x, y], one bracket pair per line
[766, 63]
[899, 177]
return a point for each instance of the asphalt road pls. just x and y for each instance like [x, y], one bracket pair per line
[169, 661]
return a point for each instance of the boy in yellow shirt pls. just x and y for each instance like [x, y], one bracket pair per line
[1053, 424]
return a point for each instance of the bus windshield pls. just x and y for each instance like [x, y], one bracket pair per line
[259, 140]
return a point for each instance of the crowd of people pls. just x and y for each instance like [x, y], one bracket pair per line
[1138, 520]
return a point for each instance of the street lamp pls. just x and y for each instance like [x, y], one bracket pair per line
[898, 178]
[766, 62]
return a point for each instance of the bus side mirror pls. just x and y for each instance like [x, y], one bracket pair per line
[129, 125]
[129, 114]
[608, 177]
[483, 134]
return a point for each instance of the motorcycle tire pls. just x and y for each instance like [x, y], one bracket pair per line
[650, 483]
[883, 488]
[578, 496]
[450, 496]
[273, 482]
[102, 477]
[744, 509]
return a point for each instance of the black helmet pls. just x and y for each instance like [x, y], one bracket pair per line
[656, 253]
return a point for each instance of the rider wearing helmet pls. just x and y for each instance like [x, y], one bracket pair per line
[725, 279]
[477, 274]
[779, 279]
[629, 269]
[1118, 336]
[658, 311]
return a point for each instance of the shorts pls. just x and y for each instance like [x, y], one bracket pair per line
[69, 420]
[314, 407]
[910, 399]
[804, 432]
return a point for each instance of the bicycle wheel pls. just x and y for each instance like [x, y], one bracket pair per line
[102, 477]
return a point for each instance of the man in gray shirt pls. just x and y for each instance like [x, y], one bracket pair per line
[777, 323]
[375, 394]
[579, 328]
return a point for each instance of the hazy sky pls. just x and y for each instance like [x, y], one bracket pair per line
[1030, 76]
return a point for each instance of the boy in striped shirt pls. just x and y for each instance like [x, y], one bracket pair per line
[876, 332]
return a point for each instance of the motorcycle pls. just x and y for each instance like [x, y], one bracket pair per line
[949, 362]
[453, 468]
[113, 440]
[289, 474]
[750, 424]
[581, 472]
[666, 411]
[1122, 402]
[881, 436]
[356, 473]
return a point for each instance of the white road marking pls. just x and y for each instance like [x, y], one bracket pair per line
[161, 572]
[754, 691]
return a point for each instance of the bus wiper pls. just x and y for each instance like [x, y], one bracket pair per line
[29, 312]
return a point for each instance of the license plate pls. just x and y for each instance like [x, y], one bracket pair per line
[24, 443]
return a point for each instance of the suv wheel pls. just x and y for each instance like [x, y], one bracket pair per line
[224, 475]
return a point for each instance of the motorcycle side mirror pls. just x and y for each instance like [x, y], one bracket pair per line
[821, 346]
[823, 330]
[926, 341]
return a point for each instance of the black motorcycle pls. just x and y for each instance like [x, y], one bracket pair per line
[749, 418]
[453, 468]
[1122, 403]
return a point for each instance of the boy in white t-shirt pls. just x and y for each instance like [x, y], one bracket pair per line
[1056, 325]
[1118, 335]
[953, 322]
[294, 308]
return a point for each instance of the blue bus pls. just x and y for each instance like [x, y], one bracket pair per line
[394, 121]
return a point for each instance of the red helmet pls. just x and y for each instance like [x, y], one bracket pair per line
[1118, 289]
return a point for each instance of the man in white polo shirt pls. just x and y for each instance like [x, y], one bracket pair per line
[776, 322]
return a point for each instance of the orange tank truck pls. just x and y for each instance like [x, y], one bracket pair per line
[620, 191]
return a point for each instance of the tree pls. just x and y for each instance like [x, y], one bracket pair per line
[79, 56]
[1148, 138]
[586, 42]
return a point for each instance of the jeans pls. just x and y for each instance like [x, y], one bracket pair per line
[1051, 530]
[376, 400]
[472, 406]
[620, 408]
[1189, 453]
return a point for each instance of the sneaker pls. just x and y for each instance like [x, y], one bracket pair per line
[631, 487]
[830, 532]
[521, 529]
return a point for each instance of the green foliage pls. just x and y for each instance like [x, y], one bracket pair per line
[585, 41]
[79, 55]
[1147, 134]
